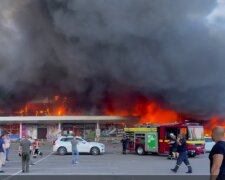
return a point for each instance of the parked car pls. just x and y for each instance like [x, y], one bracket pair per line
[209, 143]
[62, 146]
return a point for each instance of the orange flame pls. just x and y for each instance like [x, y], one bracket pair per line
[215, 121]
[155, 114]
[149, 112]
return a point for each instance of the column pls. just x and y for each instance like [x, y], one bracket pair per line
[59, 129]
[97, 132]
[84, 132]
[21, 129]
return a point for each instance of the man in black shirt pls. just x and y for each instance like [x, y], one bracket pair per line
[182, 150]
[217, 154]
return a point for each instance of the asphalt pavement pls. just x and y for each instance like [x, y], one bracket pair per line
[113, 162]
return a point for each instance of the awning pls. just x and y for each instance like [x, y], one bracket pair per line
[65, 119]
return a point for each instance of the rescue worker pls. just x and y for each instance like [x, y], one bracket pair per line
[173, 147]
[125, 142]
[182, 150]
[217, 155]
[24, 150]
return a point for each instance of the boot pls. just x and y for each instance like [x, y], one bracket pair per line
[175, 169]
[189, 169]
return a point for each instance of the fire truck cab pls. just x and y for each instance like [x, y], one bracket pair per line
[155, 138]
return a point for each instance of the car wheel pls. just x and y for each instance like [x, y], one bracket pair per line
[62, 151]
[140, 150]
[95, 151]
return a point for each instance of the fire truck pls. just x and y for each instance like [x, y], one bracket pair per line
[155, 138]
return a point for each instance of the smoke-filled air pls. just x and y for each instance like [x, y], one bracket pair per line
[100, 51]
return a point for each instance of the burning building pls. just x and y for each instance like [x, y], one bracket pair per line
[162, 61]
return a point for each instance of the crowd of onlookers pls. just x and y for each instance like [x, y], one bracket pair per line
[28, 145]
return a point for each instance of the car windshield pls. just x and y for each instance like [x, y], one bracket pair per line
[196, 133]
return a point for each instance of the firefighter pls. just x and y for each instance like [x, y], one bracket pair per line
[173, 147]
[182, 150]
[125, 142]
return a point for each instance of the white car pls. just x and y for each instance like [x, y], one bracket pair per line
[62, 145]
[209, 143]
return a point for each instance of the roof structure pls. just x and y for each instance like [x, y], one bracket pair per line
[65, 119]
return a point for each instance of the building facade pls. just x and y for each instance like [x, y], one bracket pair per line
[50, 127]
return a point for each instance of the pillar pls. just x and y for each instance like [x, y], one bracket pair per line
[97, 132]
[21, 130]
[84, 132]
[59, 129]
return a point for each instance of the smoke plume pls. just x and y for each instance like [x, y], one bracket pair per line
[172, 51]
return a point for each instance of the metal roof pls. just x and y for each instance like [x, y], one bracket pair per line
[64, 119]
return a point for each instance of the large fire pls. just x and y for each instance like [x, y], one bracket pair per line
[154, 114]
[215, 121]
[148, 111]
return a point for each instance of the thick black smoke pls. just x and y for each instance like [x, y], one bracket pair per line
[169, 50]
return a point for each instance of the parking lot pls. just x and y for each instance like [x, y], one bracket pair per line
[111, 163]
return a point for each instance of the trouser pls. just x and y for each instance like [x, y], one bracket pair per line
[183, 158]
[124, 149]
[75, 156]
[171, 151]
[175, 154]
[2, 159]
[25, 161]
[31, 157]
[37, 152]
[7, 154]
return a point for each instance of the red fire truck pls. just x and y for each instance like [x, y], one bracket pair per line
[155, 138]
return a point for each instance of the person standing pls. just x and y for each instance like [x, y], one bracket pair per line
[217, 155]
[125, 142]
[7, 146]
[75, 152]
[173, 147]
[31, 150]
[182, 150]
[24, 150]
[36, 146]
[2, 156]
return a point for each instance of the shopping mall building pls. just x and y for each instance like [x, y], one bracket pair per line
[49, 127]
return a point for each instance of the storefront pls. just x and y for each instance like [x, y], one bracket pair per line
[50, 127]
[12, 129]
